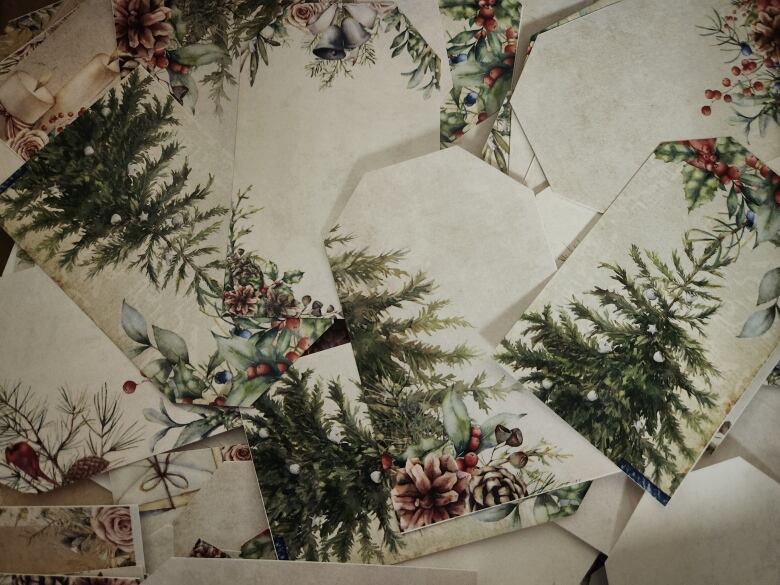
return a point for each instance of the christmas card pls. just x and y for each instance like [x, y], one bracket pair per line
[206, 571]
[328, 92]
[23, 32]
[413, 403]
[663, 317]
[71, 404]
[142, 232]
[65, 580]
[57, 540]
[673, 547]
[708, 68]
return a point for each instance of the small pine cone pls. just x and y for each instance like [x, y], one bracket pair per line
[84, 468]
[490, 486]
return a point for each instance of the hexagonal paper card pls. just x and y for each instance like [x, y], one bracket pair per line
[665, 314]
[432, 258]
[601, 91]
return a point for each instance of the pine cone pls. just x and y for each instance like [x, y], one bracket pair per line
[84, 468]
[244, 271]
[429, 492]
[491, 486]
[766, 29]
[141, 27]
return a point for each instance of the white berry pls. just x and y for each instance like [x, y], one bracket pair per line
[89, 151]
[106, 112]
[592, 396]
[376, 476]
[652, 329]
[658, 357]
[650, 294]
[547, 383]
[294, 468]
[263, 433]
[115, 219]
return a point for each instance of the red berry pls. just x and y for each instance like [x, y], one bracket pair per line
[473, 443]
[185, 69]
[736, 70]
[775, 178]
[175, 67]
[458, 133]
[708, 93]
[461, 465]
[487, 13]
[495, 73]
[292, 323]
[303, 343]
[758, 86]
[186, 400]
[489, 81]
[727, 98]
[292, 356]
[751, 160]
[263, 370]
[481, 117]
[476, 432]
[726, 82]
[491, 24]
[281, 367]
[721, 169]
[219, 401]
[748, 64]
[387, 461]
[716, 94]
[725, 180]
[471, 459]
[747, 91]
[251, 373]
[470, 470]
[129, 387]
[706, 110]
[510, 33]
[763, 170]
[734, 172]
[510, 48]
[162, 62]
[479, 21]
[777, 197]
[509, 61]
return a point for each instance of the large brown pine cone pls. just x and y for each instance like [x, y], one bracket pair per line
[142, 27]
[491, 486]
[84, 468]
[429, 491]
[766, 29]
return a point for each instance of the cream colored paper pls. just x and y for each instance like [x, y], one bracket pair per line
[205, 571]
[707, 533]
[599, 92]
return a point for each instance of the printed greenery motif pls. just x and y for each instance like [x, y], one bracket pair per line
[48, 447]
[496, 150]
[628, 375]
[113, 203]
[311, 443]
[748, 35]
[750, 191]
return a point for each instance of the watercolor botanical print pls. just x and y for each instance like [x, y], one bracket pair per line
[64, 580]
[481, 49]
[258, 547]
[639, 362]
[405, 445]
[70, 540]
[497, 147]
[749, 36]
[179, 38]
[19, 32]
[177, 240]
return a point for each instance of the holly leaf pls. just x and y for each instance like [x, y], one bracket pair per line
[731, 152]
[506, 419]
[134, 324]
[699, 186]
[769, 289]
[240, 353]
[246, 392]
[292, 276]
[456, 421]
[171, 345]
[674, 152]
[758, 323]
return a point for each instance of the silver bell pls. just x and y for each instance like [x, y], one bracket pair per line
[363, 13]
[331, 44]
[320, 22]
[355, 33]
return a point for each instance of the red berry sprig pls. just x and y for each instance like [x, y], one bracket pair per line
[470, 460]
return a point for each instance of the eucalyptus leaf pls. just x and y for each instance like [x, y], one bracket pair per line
[158, 370]
[240, 353]
[134, 324]
[769, 289]
[171, 345]
[496, 513]
[456, 421]
[759, 322]
[195, 431]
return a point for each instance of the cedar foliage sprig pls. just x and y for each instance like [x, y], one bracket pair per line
[643, 405]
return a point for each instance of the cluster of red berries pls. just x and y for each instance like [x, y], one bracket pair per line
[161, 61]
[748, 87]
[486, 18]
[766, 173]
[56, 119]
[292, 356]
[469, 461]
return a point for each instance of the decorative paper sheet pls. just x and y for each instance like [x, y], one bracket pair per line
[65, 580]
[664, 315]
[71, 405]
[71, 540]
[430, 431]
[611, 116]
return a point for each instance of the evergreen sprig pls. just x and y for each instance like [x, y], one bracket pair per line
[640, 351]
[104, 194]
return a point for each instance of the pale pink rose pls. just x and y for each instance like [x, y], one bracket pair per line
[114, 525]
[28, 142]
[301, 13]
[238, 452]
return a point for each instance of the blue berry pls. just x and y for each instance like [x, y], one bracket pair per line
[777, 86]
[242, 333]
[745, 49]
[470, 99]
[750, 218]
[223, 377]
[458, 58]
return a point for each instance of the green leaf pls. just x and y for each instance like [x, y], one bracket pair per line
[171, 345]
[497, 93]
[767, 221]
[195, 431]
[134, 324]
[674, 152]
[700, 186]
[240, 353]
[199, 54]
[507, 419]
[424, 447]
[496, 513]
[292, 276]
[769, 289]
[157, 370]
[732, 203]
[245, 392]
[759, 323]
[456, 421]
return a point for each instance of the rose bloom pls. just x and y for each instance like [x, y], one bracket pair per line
[28, 142]
[300, 14]
[114, 525]
[238, 452]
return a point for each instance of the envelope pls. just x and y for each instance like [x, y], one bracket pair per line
[597, 121]
[56, 540]
[662, 317]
